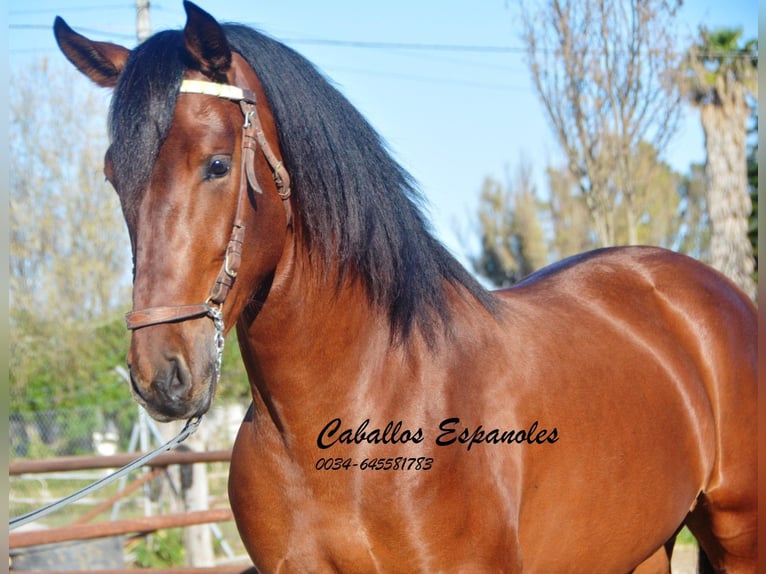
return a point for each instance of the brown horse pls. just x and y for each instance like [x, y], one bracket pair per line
[404, 419]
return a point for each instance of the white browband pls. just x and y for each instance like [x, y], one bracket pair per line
[226, 91]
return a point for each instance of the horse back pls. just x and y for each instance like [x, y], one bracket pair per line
[655, 301]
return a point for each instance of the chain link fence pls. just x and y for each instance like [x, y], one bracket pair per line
[93, 429]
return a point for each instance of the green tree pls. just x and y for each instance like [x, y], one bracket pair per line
[720, 77]
[652, 217]
[512, 240]
[572, 228]
[666, 210]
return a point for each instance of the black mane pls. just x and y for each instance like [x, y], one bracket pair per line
[358, 210]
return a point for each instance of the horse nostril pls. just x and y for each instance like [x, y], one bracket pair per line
[177, 381]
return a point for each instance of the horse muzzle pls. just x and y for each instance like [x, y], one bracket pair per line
[172, 383]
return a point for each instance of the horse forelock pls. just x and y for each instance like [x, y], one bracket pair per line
[142, 110]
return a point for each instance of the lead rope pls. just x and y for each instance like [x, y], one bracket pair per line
[186, 432]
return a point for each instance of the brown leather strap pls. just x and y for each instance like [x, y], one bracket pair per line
[233, 255]
[156, 315]
[281, 177]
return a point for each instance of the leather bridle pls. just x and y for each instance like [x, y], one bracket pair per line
[252, 138]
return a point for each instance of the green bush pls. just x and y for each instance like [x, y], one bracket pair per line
[162, 549]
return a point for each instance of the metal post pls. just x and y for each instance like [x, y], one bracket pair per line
[143, 26]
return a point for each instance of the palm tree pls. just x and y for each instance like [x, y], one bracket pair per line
[720, 77]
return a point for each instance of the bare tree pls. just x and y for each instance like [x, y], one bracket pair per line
[69, 253]
[69, 271]
[721, 79]
[603, 73]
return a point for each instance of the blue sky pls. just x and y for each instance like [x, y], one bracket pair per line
[451, 117]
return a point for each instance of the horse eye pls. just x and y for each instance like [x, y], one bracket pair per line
[218, 167]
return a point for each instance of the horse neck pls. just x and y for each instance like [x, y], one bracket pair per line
[306, 349]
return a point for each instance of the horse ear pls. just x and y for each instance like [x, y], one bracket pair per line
[102, 62]
[206, 43]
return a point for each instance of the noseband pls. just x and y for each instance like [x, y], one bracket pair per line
[252, 138]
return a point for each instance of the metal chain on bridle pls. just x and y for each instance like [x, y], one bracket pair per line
[253, 137]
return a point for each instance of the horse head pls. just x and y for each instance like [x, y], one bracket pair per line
[187, 116]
